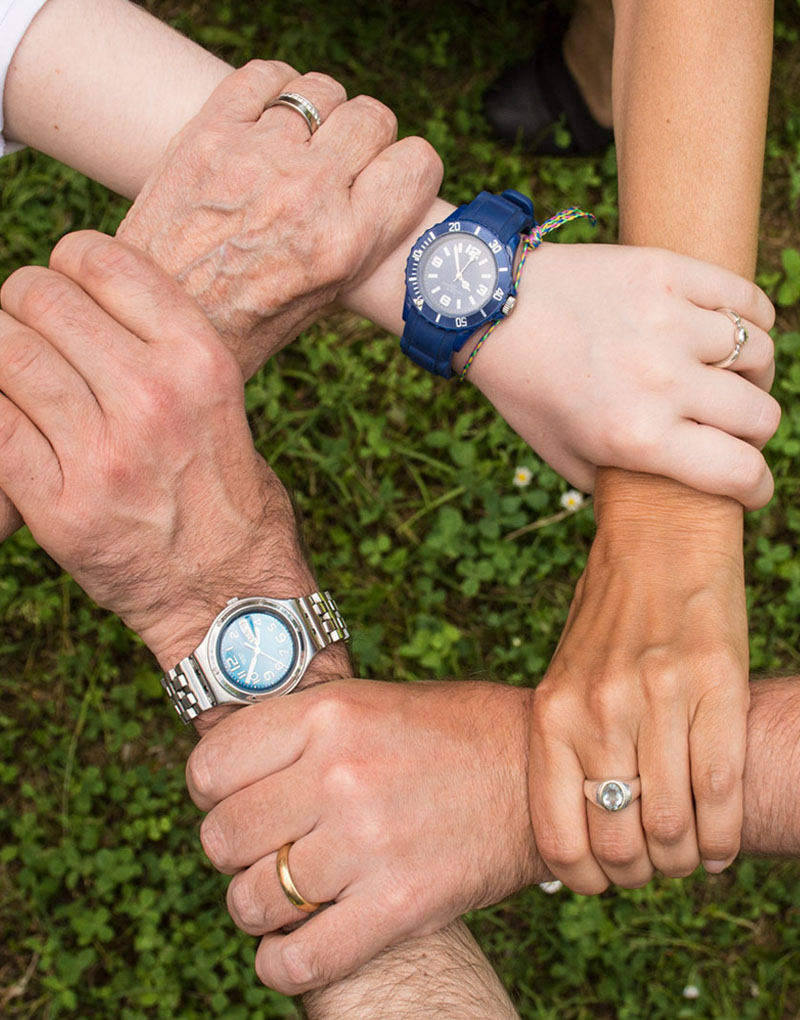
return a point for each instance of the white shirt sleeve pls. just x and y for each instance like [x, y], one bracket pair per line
[15, 16]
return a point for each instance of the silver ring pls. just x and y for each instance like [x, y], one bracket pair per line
[740, 337]
[612, 794]
[303, 106]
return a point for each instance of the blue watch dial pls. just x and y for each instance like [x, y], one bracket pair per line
[458, 274]
[256, 651]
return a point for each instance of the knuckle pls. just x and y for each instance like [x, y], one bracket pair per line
[40, 293]
[342, 780]
[667, 824]
[427, 160]
[214, 843]
[553, 705]
[16, 283]
[299, 969]
[329, 712]
[558, 849]
[22, 358]
[330, 87]
[257, 66]
[378, 114]
[200, 775]
[614, 852]
[68, 249]
[212, 369]
[104, 261]
[157, 399]
[749, 469]
[608, 700]
[243, 905]
[715, 783]
[10, 434]
[770, 419]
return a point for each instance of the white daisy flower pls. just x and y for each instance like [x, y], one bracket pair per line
[522, 477]
[691, 992]
[572, 500]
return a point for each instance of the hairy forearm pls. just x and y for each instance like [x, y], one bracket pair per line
[691, 84]
[771, 788]
[443, 975]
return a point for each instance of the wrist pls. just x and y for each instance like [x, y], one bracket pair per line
[178, 628]
[380, 296]
[659, 512]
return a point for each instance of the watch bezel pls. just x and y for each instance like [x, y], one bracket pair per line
[239, 608]
[493, 307]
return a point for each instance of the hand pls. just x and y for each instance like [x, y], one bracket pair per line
[650, 678]
[125, 445]
[606, 361]
[406, 805]
[264, 224]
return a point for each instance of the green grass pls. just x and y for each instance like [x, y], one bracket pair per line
[107, 906]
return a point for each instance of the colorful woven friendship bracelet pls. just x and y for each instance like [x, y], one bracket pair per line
[530, 242]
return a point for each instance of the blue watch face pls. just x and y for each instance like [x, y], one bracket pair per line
[256, 651]
[458, 275]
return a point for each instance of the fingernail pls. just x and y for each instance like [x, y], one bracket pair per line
[715, 867]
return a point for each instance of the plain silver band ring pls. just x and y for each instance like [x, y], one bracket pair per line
[740, 336]
[612, 794]
[303, 106]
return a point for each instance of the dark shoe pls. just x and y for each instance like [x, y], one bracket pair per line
[530, 100]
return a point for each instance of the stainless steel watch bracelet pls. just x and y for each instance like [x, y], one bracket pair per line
[322, 616]
[186, 690]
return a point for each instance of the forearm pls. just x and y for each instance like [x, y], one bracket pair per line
[691, 84]
[444, 975]
[103, 86]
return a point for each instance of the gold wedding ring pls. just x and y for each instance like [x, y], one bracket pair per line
[293, 895]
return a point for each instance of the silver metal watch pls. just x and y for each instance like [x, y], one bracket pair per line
[256, 648]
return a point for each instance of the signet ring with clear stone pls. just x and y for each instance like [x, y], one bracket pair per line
[612, 794]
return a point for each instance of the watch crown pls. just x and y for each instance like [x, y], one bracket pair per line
[508, 305]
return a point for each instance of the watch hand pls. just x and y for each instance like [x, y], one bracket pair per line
[252, 669]
[276, 661]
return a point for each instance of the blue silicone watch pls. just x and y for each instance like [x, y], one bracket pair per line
[459, 277]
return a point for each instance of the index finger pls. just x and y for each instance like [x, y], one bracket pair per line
[717, 751]
[713, 287]
[132, 289]
[246, 746]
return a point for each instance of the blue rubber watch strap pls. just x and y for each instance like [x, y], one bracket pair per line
[506, 216]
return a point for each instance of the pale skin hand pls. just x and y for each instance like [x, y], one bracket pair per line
[265, 225]
[588, 434]
[688, 129]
